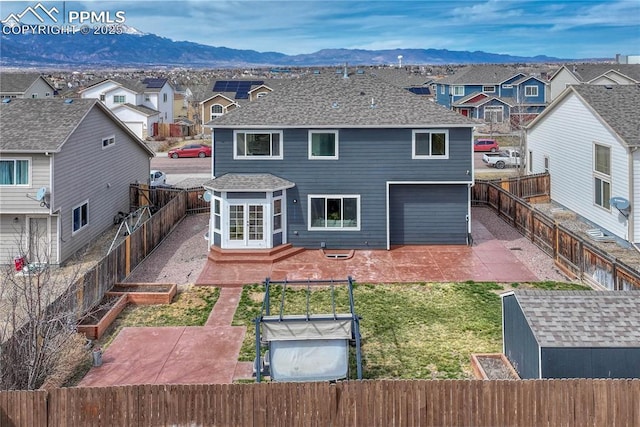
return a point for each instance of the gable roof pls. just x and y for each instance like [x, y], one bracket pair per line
[41, 125]
[616, 106]
[582, 318]
[139, 108]
[331, 100]
[588, 72]
[481, 75]
[146, 85]
[19, 82]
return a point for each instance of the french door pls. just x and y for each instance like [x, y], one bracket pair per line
[246, 225]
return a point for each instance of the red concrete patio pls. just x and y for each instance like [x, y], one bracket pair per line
[209, 354]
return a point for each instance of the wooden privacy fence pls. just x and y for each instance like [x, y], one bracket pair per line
[575, 255]
[579, 402]
[156, 197]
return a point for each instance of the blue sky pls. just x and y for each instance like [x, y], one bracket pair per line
[565, 29]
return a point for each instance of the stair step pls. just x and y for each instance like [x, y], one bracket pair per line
[253, 256]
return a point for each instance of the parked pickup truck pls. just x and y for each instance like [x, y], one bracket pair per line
[508, 157]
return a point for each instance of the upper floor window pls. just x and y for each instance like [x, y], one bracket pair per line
[258, 144]
[119, 99]
[602, 159]
[323, 144]
[458, 90]
[507, 86]
[531, 91]
[102, 97]
[80, 217]
[216, 111]
[34, 95]
[47, 94]
[14, 172]
[489, 89]
[430, 144]
[147, 98]
[107, 142]
[164, 97]
[261, 94]
[442, 89]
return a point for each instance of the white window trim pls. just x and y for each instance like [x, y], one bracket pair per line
[458, 88]
[74, 232]
[245, 157]
[430, 131]
[334, 157]
[333, 196]
[442, 92]
[216, 214]
[595, 171]
[534, 91]
[489, 91]
[123, 97]
[110, 141]
[496, 108]
[214, 115]
[601, 175]
[14, 159]
[507, 86]
[274, 214]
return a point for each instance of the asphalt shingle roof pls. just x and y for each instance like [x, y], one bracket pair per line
[582, 318]
[248, 182]
[17, 82]
[618, 106]
[330, 100]
[588, 72]
[40, 125]
[481, 75]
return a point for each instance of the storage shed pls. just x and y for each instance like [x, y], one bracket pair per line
[572, 334]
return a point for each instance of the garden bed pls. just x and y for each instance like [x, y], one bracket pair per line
[96, 323]
[146, 293]
[493, 366]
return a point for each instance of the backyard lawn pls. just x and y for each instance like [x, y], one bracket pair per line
[409, 331]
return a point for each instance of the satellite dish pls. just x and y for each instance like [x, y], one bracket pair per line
[206, 196]
[619, 203]
[41, 194]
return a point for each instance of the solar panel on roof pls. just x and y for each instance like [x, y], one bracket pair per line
[154, 83]
[419, 90]
[240, 87]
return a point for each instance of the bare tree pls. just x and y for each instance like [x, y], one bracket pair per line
[38, 317]
[518, 123]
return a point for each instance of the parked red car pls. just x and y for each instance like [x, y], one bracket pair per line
[191, 150]
[486, 144]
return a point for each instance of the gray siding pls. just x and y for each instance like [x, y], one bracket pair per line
[84, 171]
[428, 214]
[520, 346]
[368, 158]
[13, 197]
[591, 362]
[14, 238]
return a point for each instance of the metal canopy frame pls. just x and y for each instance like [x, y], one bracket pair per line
[265, 315]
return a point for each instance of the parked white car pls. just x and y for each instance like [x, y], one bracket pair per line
[157, 178]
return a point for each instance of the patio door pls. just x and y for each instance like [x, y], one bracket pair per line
[246, 225]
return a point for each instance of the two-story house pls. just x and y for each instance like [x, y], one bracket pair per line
[65, 171]
[227, 95]
[340, 161]
[593, 74]
[138, 103]
[588, 140]
[25, 85]
[493, 93]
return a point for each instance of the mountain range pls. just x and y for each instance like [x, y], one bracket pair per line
[136, 49]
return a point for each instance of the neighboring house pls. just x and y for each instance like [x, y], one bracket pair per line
[588, 141]
[340, 162]
[25, 85]
[572, 334]
[138, 103]
[65, 171]
[415, 82]
[229, 95]
[593, 74]
[493, 93]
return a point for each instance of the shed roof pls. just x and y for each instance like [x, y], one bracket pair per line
[41, 125]
[582, 318]
[331, 100]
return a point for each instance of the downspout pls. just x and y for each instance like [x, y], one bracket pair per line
[631, 222]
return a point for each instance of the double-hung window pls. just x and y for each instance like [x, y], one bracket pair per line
[334, 212]
[430, 144]
[14, 172]
[458, 91]
[323, 144]
[531, 91]
[602, 175]
[80, 217]
[119, 99]
[257, 144]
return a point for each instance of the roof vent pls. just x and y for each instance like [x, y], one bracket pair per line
[373, 103]
[335, 104]
[6, 100]
[360, 72]
[68, 101]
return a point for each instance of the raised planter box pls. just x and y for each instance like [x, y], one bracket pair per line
[97, 323]
[146, 293]
[492, 366]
